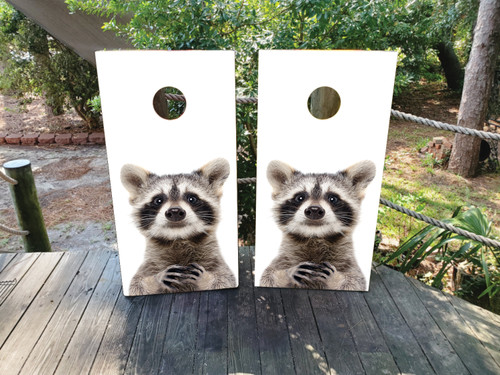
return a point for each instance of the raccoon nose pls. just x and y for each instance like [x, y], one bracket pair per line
[314, 212]
[175, 214]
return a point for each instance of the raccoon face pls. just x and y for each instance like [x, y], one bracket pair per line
[318, 205]
[180, 206]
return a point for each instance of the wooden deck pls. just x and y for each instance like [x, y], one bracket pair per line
[66, 314]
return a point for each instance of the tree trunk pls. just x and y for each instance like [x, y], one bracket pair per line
[451, 66]
[477, 88]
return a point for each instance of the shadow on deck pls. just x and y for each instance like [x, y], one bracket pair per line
[66, 314]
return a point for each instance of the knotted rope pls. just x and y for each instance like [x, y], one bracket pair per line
[14, 231]
[444, 126]
[11, 181]
[429, 220]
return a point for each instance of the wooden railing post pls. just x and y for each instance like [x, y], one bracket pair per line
[29, 214]
[324, 103]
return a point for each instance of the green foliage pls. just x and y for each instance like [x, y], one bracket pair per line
[430, 161]
[246, 121]
[421, 143]
[453, 250]
[411, 28]
[34, 63]
[95, 104]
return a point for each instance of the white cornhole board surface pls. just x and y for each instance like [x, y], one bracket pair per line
[289, 133]
[136, 134]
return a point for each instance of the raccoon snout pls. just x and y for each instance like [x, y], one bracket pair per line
[314, 212]
[175, 214]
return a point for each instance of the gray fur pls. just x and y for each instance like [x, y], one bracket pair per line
[319, 253]
[183, 255]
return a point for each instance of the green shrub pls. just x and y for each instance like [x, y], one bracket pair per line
[34, 63]
[452, 250]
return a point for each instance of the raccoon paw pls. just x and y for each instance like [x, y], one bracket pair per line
[177, 278]
[311, 275]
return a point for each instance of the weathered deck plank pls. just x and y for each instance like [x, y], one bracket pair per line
[338, 343]
[470, 350]
[480, 322]
[67, 315]
[113, 353]
[274, 342]
[178, 353]
[243, 343]
[14, 267]
[212, 341]
[372, 349]
[29, 283]
[433, 342]
[84, 344]
[398, 336]
[4, 261]
[53, 342]
[19, 346]
[144, 355]
[305, 341]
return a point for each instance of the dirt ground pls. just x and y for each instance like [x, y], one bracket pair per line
[437, 103]
[36, 117]
[72, 181]
[74, 193]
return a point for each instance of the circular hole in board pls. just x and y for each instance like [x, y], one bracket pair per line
[169, 103]
[323, 103]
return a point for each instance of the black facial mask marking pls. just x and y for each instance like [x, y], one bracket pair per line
[201, 208]
[288, 209]
[342, 209]
[147, 214]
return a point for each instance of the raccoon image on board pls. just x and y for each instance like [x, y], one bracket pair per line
[178, 215]
[317, 214]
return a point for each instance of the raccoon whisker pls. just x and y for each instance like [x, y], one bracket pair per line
[351, 218]
[206, 217]
[147, 217]
[346, 215]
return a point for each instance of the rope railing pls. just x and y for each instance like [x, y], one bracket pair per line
[10, 180]
[429, 220]
[444, 126]
[436, 124]
[175, 97]
[3, 228]
[247, 180]
[437, 223]
[14, 231]
[394, 113]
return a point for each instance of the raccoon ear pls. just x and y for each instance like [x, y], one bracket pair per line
[133, 178]
[278, 174]
[361, 174]
[216, 172]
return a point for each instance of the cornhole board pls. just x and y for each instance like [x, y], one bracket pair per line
[289, 133]
[136, 134]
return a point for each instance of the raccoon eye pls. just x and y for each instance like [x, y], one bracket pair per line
[158, 201]
[192, 199]
[333, 199]
[300, 197]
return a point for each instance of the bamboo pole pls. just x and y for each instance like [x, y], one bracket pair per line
[29, 214]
